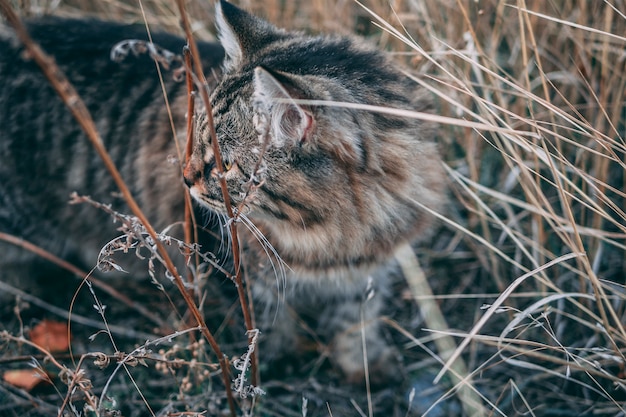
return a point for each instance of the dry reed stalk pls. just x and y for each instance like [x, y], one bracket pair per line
[83, 275]
[198, 72]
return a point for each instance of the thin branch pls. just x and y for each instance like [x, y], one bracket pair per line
[83, 275]
[197, 63]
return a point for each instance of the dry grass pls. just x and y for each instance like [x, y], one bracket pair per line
[528, 266]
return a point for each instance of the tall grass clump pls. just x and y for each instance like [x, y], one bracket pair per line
[538, 194]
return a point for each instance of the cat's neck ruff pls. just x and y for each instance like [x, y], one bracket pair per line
[325, 249]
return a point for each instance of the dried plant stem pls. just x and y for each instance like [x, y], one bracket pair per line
[78, 109]
[199, 73]
[418, 284]
[22, 340]
[189, 231]
[190, 104]
[44, 254]
[188, 212]
[74, 377]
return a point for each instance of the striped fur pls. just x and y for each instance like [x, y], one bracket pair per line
[336, 190]
[44, 156]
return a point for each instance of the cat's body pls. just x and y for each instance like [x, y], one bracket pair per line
[44, 156]
[338, 189]
[335, 194]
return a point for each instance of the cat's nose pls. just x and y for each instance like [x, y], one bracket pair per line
[188, 181]
[192, 173]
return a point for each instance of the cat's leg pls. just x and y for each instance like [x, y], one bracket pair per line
[352, 324]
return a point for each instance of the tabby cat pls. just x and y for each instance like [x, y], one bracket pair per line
[329, 191]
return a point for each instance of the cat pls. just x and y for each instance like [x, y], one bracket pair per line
[332, 197]
[326, 193]
[44, 156]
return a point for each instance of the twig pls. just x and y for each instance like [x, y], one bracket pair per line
[74, 318]
[42, 253]
[418, 284]
[197, 70]
[189, 217]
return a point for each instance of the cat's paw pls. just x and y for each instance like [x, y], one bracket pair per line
[383, 361]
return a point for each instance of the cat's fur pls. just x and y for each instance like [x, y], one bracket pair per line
[44, 156]
[334, 195]
[336, 191]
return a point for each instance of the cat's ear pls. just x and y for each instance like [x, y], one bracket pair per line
[276, 111]
[241, 34]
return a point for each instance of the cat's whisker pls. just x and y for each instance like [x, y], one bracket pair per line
[272, 254]
[225, 248]
[303, 222]
[221, 219]
[229, 236]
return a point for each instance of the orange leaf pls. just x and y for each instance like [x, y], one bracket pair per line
[51, 335]
[23, 378]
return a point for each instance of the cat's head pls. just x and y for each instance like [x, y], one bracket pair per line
[319, 162]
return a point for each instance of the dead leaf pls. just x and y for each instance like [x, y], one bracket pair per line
[51, 335]
[23, 378]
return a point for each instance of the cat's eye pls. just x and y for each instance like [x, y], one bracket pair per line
[228, 164]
